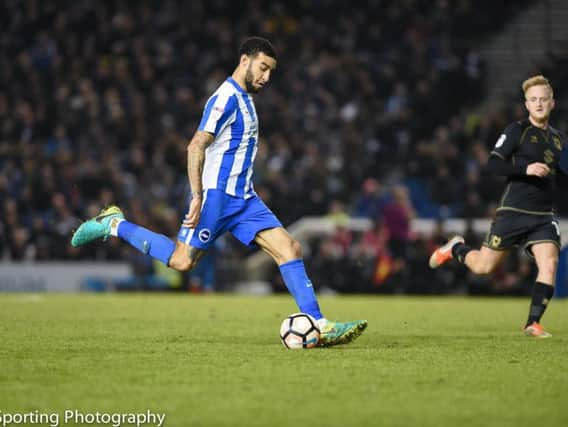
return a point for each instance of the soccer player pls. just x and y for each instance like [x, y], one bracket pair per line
[220, 167]
[528, 154]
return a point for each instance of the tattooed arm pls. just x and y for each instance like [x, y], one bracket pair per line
[195, 161]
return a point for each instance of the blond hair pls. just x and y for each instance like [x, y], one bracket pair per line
[539, 80]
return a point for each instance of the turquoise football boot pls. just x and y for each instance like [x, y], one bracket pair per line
[335, 333]
[97, 227]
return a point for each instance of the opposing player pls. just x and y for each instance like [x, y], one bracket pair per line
[528, 154]
[220, 167]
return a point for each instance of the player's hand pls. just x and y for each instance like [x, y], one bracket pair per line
[192, 217]
[538, 169]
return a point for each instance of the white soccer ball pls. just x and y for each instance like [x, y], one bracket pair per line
[299, 330]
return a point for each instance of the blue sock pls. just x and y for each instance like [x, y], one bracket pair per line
[300, 286]
[156, 245]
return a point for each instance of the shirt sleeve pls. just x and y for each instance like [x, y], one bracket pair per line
[219, 112]
[497, 166]
[508, 142]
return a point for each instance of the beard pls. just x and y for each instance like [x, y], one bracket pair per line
[541, 117]
[249, 82]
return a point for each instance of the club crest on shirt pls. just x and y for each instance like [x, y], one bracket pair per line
[494, 241]
[204, 235]
[548, 156]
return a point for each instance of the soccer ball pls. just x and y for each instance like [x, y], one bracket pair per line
[299, 330]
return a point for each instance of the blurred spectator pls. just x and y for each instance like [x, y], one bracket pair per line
[397, 215]
[370, 201]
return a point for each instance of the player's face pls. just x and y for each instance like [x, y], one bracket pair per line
[539, 103]
[258, 72]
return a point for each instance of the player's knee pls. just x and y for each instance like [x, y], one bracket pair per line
[177, 263]
[181, 262]
[182, 265]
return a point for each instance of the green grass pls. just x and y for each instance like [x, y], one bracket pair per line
[217, 361]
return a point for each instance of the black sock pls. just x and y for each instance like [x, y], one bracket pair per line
[541, 296]
[459, 251]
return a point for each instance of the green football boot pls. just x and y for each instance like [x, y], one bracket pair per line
[97, 227]
[335, 333]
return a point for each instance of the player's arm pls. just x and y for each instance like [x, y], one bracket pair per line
[499, 166]
[196, 159]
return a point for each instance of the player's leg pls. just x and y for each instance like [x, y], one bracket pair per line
[479, 261]
[255, 224]
[546, 258]
[507, 230]
[185, 257]
[110, 222]
[287, 253]
[482, 261]
[181, 255]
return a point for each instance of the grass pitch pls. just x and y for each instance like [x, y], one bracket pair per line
[217, 361]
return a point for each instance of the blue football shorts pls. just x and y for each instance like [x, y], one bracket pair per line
[221, 212]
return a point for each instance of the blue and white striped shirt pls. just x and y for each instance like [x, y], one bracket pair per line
[231, 117]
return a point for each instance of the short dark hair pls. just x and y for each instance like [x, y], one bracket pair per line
[255, 45]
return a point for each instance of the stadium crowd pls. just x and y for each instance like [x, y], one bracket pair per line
[367, 115]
